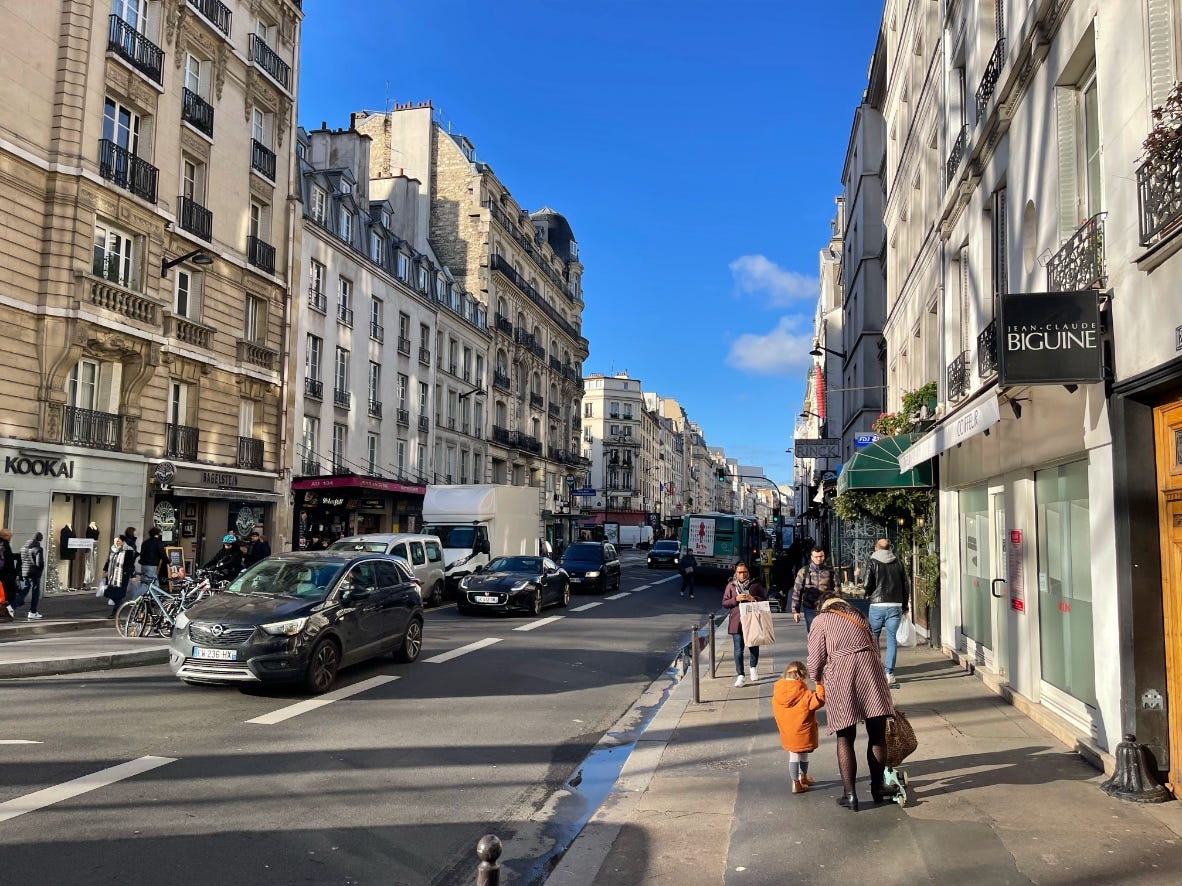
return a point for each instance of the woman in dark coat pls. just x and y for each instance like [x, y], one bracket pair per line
[742, 588]
[844, 658]
[118, 569]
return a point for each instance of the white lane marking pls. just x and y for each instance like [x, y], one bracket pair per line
[540, 622]
[18, 741]
[641, 588]
[619, 596]
[666, 578]
[587, 606]
[463, 650]
[64, 791]
[312, 704]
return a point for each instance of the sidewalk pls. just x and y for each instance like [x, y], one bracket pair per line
[705, 799]
[74, 635]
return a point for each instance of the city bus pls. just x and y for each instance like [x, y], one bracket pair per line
[720, 541]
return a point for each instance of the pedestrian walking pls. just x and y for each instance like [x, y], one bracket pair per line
[887, 592]
[814, 579]
[794, 706]
[258, 550]
[118, 570]
[32, 568]
[686, 565]
[844, 658]
[8, 573]
[151, 557]
[742, 588]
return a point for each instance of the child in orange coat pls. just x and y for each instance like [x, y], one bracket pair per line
[794, 705]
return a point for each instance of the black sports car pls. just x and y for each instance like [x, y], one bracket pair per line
[514, 584]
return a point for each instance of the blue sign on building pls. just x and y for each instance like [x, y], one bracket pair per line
[865, 439]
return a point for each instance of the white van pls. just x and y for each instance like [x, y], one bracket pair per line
[422, 553]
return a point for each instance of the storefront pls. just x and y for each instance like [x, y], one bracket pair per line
[195, 507]
[337, 506]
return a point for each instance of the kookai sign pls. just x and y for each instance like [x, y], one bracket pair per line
[1049, 338]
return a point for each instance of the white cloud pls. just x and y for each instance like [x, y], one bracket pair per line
[757, 275]
[782, 351]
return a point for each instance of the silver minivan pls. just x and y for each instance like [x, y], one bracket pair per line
[422, 553]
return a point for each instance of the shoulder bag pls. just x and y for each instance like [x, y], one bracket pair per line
[900, 739]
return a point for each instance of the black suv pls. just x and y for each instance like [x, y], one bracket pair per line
[299, 617]
[592, 566]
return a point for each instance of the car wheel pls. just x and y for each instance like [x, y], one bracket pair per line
[536, 608]
[412, 642]
[437, 594]
[322, 667]
[564, 600]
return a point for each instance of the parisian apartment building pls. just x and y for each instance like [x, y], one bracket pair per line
[145, 167]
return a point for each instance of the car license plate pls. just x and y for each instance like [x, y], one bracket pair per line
[575, 579]
[480, 598]
[221, 654]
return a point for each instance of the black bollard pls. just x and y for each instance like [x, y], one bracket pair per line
[488, 850]
[713, 662]
[1132, 779]
[696, 663]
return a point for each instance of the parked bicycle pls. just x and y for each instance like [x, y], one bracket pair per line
[155, 610]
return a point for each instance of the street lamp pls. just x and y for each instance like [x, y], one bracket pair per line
[805, 414]
[817, 349]
[199, 257]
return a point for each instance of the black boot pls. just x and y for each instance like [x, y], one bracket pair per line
[849, 801]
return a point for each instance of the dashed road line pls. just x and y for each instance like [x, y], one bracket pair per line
[619, 596]
[18, 741]
[463, 650]
[66, 790]
[312, 704]
[641, 588]
[541, 621]
[587, 606]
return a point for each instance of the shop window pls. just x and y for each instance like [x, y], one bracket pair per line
[975, 568]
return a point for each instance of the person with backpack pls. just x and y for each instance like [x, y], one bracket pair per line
[813, 580]
[686, 566]
[32, 568]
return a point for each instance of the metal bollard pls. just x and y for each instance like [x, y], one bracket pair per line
[488, 849]
[713, 661]
[696, 663]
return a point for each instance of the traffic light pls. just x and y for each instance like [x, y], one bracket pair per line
[775, 515]
[721, 472]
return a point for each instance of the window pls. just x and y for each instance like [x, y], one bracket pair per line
[376, 316]
[121, 125]
[588, 410]
[246, 419]
[193, 179]
[403, 267]
[346, 225]
[186, 297]
[478, 378]
[375, 247]
[403, 390]
[254, 328]
[341, 379]
[375, 382]
[424, 398]
[477, 468]
[400, 458]
[1078, 128]
[424, 336]
[422, 462]
[313, 360]
[82, 386]
[373, 446]
[116, 255]
[614, 410]
[197, 75]
[264, 32]
[1000, 256]
[260, 127]
[316, 282]
[345, 301]
[319, 205]
[309, 443]
[178, 403]
[627, 410]
[340, 436]
[422, 278]
[260, 221]
[346, 186]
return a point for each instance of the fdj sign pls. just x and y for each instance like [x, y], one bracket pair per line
[1049, 339]
[38, 467]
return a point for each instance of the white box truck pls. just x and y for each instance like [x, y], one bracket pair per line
[480, 521]
[636, 536]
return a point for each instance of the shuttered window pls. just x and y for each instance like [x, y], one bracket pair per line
[1161, 17]
[1001, 268]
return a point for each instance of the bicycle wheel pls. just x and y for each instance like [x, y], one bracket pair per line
[125, 618]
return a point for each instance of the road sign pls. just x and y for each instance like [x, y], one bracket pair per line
[583, 492]
[865, 439]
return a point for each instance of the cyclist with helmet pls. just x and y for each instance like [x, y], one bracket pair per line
[226, 563]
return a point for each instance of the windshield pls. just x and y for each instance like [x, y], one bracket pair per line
[371, 547]
[670, 546]
[454, 536]
[308, 580]
[532, 565]
[585, 553]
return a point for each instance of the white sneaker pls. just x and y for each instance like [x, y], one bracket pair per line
[739, 680]
[34, 615]
[754, 675]
[11, 612]
[891, 681]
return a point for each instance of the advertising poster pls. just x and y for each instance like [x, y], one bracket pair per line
[701, 536]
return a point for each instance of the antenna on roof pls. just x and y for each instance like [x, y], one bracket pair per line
[387, 96]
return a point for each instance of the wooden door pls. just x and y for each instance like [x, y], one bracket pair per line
[1168, 431]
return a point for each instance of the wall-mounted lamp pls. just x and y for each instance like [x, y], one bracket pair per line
[199, 257]
[1016, 406]
[902, 521]
[806, 414]
[818, 349]
[920, 521]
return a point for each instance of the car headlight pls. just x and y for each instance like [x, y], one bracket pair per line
[521, 585]
[182, 622]
[464, 581]
[288, 628]
[594, 574]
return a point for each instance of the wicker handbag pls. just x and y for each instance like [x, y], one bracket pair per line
[900, 739]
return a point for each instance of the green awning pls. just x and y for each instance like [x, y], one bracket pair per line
[877, 467]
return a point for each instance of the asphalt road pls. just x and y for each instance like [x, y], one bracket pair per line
[392, 782]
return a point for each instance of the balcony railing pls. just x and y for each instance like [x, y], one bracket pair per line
[375, 408]
[262, 158]
[501, 380]
[345, 316]
[537, 401]
[1159, 192]
[136, 49]
[958, 377]
[216, 12]
[1079, 263]
[310, 465]
[125, 169]
[250, 453]
[260, 254]
[195, 218]
[98, 430]
[404, 346]
[196, 111]
[314, 387]
[180, 441]
[505, 325]
[501, 265]
[190, 332]
[425, 356]
[555, 410]
[987, 350]
[343, 399]
[990, 77]
[317, 300]
[500, 435]
[117, 298]
[424, 423]
[257, 355]
[403, 417]
[377, 331]
[957, 153]
[505, 221]
[267, 59]
[555, 364]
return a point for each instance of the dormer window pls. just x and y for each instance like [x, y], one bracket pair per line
[346, 187]
[375, 247]
[319, 205]
[346, 225]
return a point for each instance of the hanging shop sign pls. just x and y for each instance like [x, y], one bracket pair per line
[817, 447]
[1049, 338]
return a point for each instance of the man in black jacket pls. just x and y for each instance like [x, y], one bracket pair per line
[886, 592]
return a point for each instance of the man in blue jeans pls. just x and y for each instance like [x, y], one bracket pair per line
[813, 580]
[886, 592]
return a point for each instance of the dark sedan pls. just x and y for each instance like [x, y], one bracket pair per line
[299, 617]
[664, 553]
[514, 584]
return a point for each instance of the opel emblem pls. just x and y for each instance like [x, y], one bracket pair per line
[217, 630]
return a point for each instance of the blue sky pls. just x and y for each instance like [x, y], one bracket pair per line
[695, 148]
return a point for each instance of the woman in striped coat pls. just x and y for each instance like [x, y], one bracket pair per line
[844, 658]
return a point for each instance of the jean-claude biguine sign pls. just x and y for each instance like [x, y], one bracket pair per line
[1049, 338]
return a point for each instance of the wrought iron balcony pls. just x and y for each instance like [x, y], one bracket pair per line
[403, 417]
[424, 423]
[1079, 263]
[555, 410]
[196, 111]
[990, 77]
[345, 315]
[310, 466]
[343, 399]
[957, 153]
[136, 49]
[1159, 192]
[125, 169]
[987, 350]
[404, 346]
[425, 356]
[502, 266]
[537, 401]
[958, 376]
[500, 435]
[98, 430]
[180, 441]
[375, 408]
[260, 254]
[317, 300]
[377, 331]
[556, 364]
[250, 453]
[262, 158]
[195, 218]
[267, 59]
[314, 387]
[501, 380]
[505, 325]
[217, 13]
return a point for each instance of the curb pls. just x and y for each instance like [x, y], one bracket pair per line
[43, 667]
[39, 628]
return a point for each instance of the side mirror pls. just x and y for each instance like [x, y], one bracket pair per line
[479, 567]
[482, 547]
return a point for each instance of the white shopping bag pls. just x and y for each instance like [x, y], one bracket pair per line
[905, 635]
